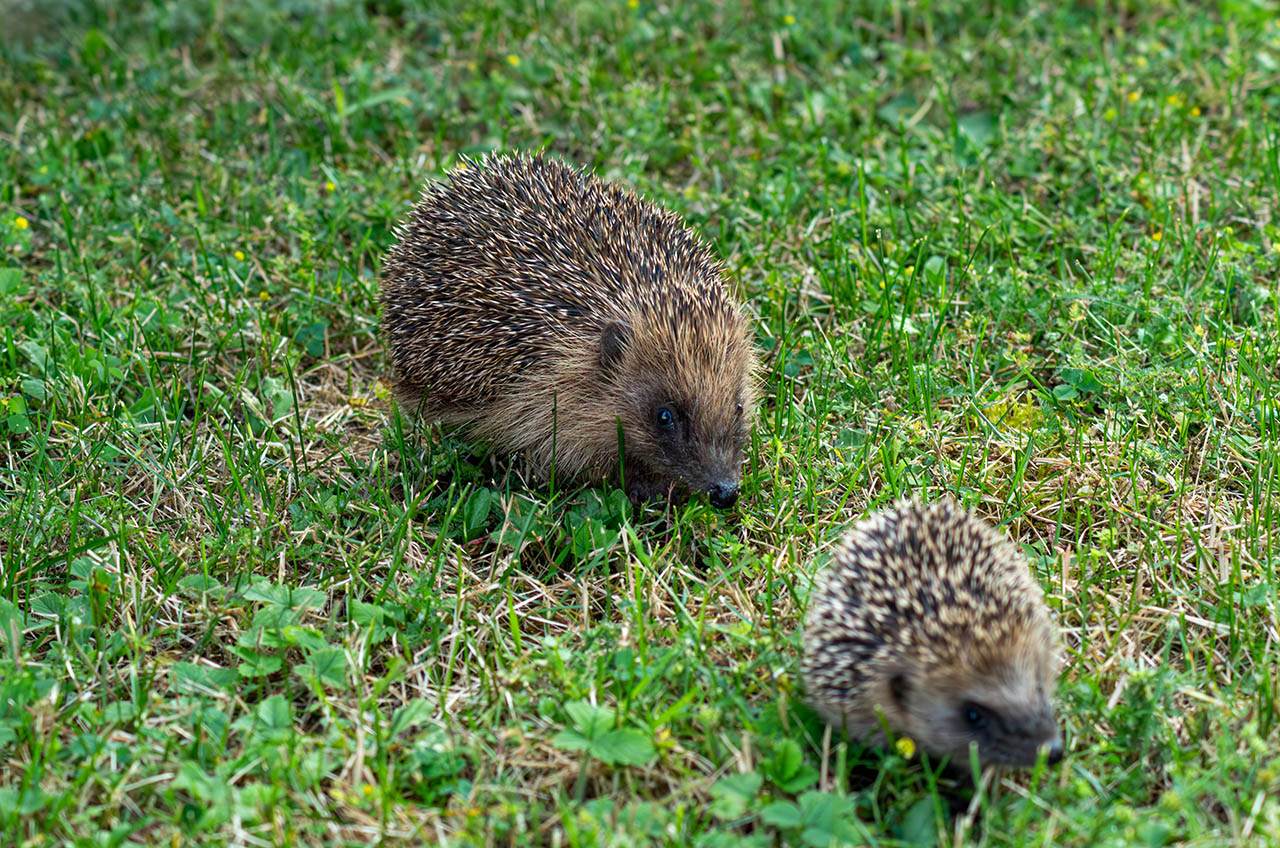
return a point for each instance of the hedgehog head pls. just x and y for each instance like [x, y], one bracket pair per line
[682, 375]
[930, 620]
[1000, 702]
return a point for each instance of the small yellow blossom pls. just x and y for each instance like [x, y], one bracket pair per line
[339, 289]
[1195, 111]
[367, 790]
[44, 169]
[634, 4]
[329, 186]
[789, 20]
[20, 223]
[262, 295]
[1110, 114]
[1133, 96]
[513, 60]
[905, 746]
[909, 270]
[239, 255]
[1141, 61]
[1157, 235]
[1173, 99]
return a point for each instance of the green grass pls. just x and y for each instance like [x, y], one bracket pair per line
[1024, 254]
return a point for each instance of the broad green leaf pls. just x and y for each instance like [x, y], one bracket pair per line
[571, 740]
[782, 814]
[189, 677]
[732, 794]
[327, 666]
[33, 389]
[590, 719]
[624, 746]
[119, 711]
[787, 759]
[301, 597]
[200, 584]
[11, 626]
[920, 824]
[414, 712]
[10, 280]
[254, 663]
[804, 777]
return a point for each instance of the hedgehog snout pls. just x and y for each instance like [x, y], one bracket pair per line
[1021, 742]
[723, 495]
[722, 481]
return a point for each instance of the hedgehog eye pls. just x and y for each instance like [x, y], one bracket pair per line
[974, 716]
[664, 417]
[739, 409]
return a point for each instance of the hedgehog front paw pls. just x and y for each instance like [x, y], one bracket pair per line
[643, 488]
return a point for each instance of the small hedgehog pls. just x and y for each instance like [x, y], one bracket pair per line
[932, 618]
[555, 315]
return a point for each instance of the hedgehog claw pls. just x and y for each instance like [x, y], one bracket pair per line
[642, 490]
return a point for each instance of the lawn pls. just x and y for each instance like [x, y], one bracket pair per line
[1023, 254]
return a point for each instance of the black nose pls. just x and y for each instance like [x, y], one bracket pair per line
[1055, 754]
[723, 495]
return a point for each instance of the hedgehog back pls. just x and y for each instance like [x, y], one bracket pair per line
[518, 259]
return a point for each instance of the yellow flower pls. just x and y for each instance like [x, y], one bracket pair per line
[339, 288]
[239, 256]
[905, 746]
[789, 20]
[1133, 96]
[909, 270]
[634, 4]
[1110, 114]
[513, 60]
[329, 186]
[1195, 111]
[1173, 99]
[367, 790]
[20, 223]
[1157, 235]
[262, 295]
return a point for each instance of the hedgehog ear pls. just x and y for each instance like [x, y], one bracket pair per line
[899, 688]
[613, 343]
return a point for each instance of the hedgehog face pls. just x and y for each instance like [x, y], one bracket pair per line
[685, 427]
[680, 443]
[697, 447]
[1005, 708]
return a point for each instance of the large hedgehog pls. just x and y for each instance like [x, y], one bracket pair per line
[930, 618]
[556, 315]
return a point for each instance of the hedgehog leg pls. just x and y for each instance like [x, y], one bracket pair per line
[644, 488]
